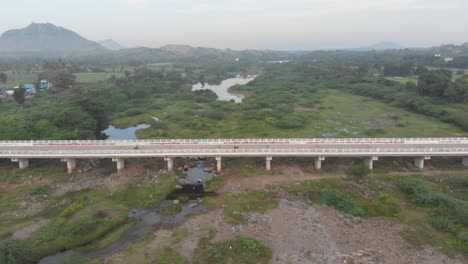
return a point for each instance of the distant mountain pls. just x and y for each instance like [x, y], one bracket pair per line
[179, 53]
[40, 39]
[111, 44]
[451, 50]
[387, 45]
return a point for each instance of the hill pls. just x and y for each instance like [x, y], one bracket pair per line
[44, 39]
[111, 44]
[386, 45]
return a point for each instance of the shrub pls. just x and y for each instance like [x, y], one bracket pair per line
[343, 202]
[39, 190]
[14, 251]
[358, 171]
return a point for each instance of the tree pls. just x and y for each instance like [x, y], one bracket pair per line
[59, 74]
[20, 95]
[434, 83]
[3, 78]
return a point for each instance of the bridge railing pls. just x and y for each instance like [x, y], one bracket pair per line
[428, 151]
[455, 140]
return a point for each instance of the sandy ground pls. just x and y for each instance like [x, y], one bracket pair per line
[302, 233]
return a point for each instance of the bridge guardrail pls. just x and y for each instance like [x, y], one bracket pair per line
[454, 150]
[457, 140]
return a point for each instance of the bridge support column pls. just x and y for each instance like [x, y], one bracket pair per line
[465, 161]
[419, 162]
[219, 165]
[370, 162]
[22, 163]
[120, 163]
[71, 164]
[268, 163]
[170, 163]
[318, 162]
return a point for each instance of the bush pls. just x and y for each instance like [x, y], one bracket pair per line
[14, 251]
[342, 202]
[39, 190]
[358, 171]
[291, 122]
[133, 112]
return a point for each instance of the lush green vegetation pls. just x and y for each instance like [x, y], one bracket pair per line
[447, 213]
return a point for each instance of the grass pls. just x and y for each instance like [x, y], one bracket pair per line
[171, 209]
[242, 250]
[334, 114]
[404, 80]
[93, 77]
[342, 195]
[168, 255]
[254, 201]
[149, 196]
[446, 212]
[108, 239]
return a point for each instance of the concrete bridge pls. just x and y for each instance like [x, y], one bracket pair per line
[318, 149]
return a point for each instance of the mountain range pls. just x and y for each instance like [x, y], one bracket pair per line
[111, 44]
[49, 41]
[44, 39]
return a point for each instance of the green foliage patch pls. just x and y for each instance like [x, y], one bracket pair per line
[240, 250]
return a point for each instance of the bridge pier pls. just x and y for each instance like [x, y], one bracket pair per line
[219, 165]
[268, 163]
[318, 162]
[120, 163]
[22, 163]
[419, 162]
[170, 163]
[465, 161]
[370, 162]
[71, 164]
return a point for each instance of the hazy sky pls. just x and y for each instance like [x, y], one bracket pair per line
[239, 24]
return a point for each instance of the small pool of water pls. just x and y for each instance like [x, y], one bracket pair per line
[147, 220]
[125, 133]
[221, 89]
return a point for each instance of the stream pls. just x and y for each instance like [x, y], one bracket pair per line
[150, 219]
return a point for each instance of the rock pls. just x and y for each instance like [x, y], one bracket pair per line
[175, 202]
[237, 228]
[193, 205]
[200, 200]
[357, 220]
[178, 187]
[208, 169]
[236, 213]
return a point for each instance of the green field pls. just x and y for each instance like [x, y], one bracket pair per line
[92, 77]
[404, 80]
[337, 115]
[20, 78]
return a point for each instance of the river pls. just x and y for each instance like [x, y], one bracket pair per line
[128, 133]
[222, 89]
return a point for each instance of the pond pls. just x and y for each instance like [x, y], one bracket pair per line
[125, 133]
[222, 89]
